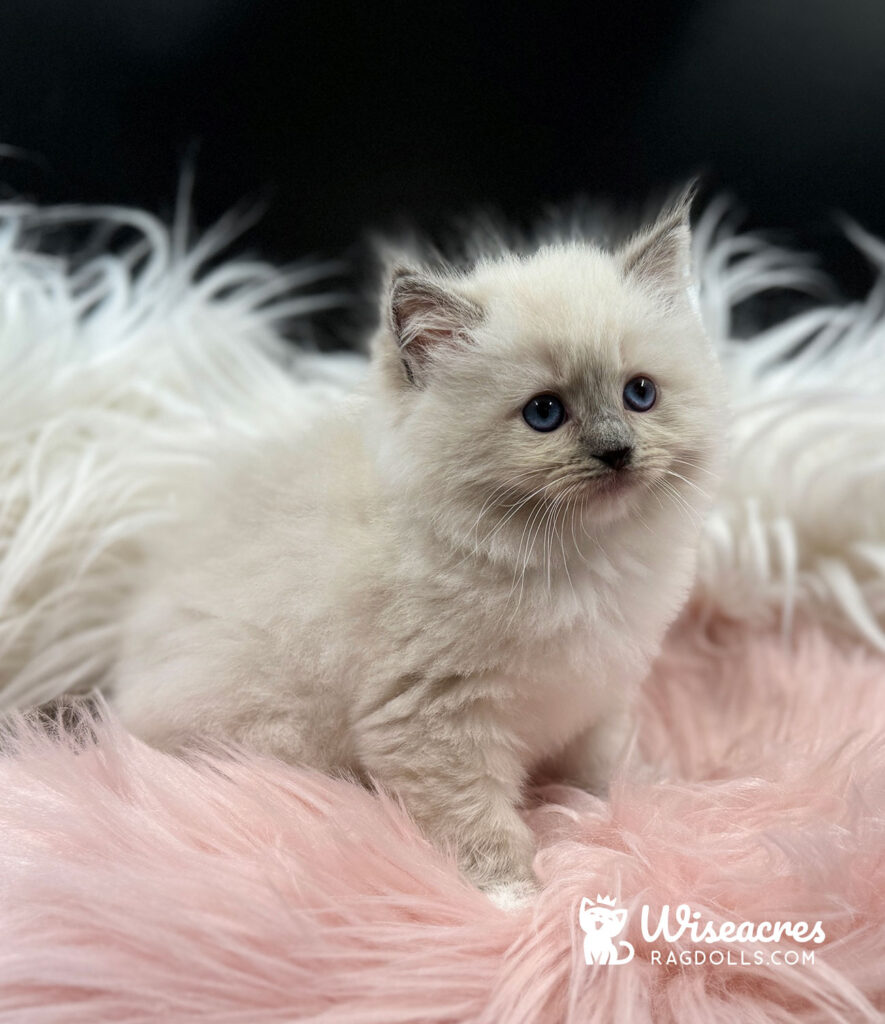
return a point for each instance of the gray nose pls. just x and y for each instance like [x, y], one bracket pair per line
[616, 458]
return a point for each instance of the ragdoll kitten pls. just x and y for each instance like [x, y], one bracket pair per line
[461, 573]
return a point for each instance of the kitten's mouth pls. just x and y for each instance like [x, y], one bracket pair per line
[614, 481]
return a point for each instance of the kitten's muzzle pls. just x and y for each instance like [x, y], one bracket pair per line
[609, 440]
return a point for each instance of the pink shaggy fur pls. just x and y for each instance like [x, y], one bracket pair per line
[231, 888]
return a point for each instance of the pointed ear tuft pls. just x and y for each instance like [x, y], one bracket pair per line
[425, 317]
[660, 256]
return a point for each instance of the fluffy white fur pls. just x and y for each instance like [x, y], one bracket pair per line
[417, 587]
[117, 373]
[799, 525]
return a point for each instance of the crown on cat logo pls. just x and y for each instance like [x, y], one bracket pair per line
[605, 901]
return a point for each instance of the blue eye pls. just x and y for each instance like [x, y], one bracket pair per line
[640, 394]
[544, 413]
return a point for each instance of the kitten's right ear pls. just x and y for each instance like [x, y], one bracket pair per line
[425, 318]
[585, 903]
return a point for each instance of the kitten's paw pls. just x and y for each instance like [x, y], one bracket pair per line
[512, 896]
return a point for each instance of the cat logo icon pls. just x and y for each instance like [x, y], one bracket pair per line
[602, 922]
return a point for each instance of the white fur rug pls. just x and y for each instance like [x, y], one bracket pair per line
[120, 368]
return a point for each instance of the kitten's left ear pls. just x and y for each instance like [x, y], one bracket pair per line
[660, 257]
[425, 318]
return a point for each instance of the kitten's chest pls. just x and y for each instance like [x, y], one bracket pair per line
[567, 683]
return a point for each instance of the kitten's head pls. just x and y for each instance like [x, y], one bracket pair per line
[569, 381]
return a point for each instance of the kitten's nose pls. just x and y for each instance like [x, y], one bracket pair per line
[617, 458]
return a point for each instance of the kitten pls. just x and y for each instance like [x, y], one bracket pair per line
[461, 573]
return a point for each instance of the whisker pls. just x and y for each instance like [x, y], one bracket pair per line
[577, 546]
[549, 534]
[499, 492]
[571, 505]
[641, 519]
[514, 509]
[680, 501]
[535, 514]
[700, 490]
[696, 465]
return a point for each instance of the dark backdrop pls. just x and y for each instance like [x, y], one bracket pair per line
[345, 116]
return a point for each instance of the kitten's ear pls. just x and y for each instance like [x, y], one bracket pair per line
[585, 903]
[660, 256]
[425, 317]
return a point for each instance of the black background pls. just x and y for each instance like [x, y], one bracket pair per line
[345, 117]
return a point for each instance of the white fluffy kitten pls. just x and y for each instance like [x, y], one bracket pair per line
[461, 574]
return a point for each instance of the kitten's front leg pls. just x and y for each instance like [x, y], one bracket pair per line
[591, 758]
[461, 781]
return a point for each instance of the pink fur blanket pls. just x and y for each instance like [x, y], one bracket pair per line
[232, 888]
